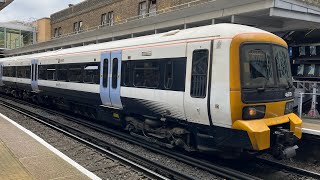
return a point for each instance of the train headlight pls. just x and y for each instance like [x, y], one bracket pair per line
[289, 107]
[253, 112]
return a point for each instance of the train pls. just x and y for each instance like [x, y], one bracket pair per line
[223, 88]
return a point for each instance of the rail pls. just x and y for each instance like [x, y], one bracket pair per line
[134, 18]
[218, 170]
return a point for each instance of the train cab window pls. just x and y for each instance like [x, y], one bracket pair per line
[105, 72]
[43, 72]
[62, 72]
[114, 73]
[51, 72]
[199, 73]
[91, 74]
[125, 77]
[168, 79]
[146, 74]
[75, 73]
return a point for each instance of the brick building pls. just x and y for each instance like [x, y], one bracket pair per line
[93, 13]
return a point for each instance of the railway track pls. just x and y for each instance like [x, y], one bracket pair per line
[286, 167]
[103, 146]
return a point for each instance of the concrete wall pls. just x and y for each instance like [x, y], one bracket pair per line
[43, 30]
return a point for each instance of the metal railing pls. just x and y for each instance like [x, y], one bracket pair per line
[309, 111]
[147, 15]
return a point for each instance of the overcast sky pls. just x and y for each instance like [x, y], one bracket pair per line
[28, 10]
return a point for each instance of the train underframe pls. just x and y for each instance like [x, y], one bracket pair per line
[169, 133]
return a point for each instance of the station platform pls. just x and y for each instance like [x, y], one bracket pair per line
[24, 155]
[311, 126]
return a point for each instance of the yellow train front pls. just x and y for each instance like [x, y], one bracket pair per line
[261, 93]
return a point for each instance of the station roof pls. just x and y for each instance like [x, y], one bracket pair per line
[4, 3]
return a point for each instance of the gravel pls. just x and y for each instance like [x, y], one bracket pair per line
[94, 161]
[161, 159]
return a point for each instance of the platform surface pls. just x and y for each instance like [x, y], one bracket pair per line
[23, 155]
[311, 126]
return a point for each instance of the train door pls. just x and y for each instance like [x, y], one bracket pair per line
[34, 75]
[104, 79]
[1, 74]
[196, 92]
[115, 78]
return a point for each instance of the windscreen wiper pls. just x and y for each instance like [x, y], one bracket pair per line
[263, 88]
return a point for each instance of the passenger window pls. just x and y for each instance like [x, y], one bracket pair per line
[20, 72]
[105, 73]
[62, 72]
[115, 73]
[43, 72]
[28, 72]
[91, 74]
[52, 73]
[146, 74]
[75, 73]
[168, 79]
[125, 74]
[199, 74]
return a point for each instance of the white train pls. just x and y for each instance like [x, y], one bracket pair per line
[218, 87]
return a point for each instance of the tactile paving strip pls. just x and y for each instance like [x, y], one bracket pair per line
[10, 168]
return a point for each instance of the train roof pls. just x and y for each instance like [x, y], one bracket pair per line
[218, 30]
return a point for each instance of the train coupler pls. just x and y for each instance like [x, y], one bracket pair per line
[284, 147]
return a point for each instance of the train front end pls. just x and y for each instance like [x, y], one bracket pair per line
[262, 93]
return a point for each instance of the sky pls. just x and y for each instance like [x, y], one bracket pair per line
[29, 10]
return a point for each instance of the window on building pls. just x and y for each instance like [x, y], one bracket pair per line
[103, 19]
[143, 9]
[152, 7]
[110, 18]
[91, 74]
[146, 74]
[114, 73]
[168, 79]
[75, 73]
[57, 32]
[76, 27]
[199, 74]
[80, 26]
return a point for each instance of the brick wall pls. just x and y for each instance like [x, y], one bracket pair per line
[89, 12]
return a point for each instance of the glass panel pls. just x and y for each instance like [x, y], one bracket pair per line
[257, 69]
[126, 73]
[199, 74]
[115, 73]
[75, 73]
[146, 74]
[2, 38]
[282, 60]
[168, 80]
[91, 73]
[105, 73]
[27, 38]
[51, 72]
[62, 72]
[13, 39]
